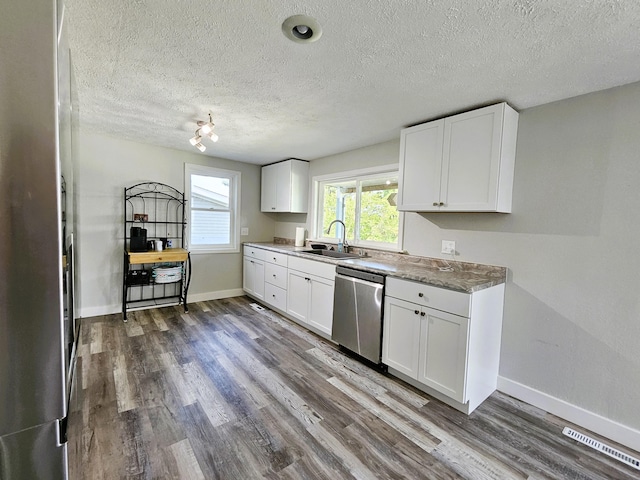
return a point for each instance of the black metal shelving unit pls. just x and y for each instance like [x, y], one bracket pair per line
[160, 209]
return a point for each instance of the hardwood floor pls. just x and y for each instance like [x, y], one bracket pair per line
[227, 392]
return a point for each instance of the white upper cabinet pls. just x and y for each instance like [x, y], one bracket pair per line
[285, 187]
[463, 163]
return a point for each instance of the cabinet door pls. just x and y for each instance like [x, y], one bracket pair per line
[443, 353]
[421, 150]
[283, 186]
[247, 275]
[401, 338]
[268, 188]
[253, 277]
[298, 285]
[471, 160]
[321, 304]
[258, 286]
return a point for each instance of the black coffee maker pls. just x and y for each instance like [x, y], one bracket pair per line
[138, 239]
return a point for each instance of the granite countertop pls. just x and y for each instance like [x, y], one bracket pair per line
[458, 276]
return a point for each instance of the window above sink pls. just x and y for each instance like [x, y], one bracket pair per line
[365, 201]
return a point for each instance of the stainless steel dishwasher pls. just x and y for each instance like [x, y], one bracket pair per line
[357, 312]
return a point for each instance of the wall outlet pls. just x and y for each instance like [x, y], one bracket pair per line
[449, 247]
[244, 231]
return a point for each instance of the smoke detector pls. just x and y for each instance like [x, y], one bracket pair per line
[301, 29]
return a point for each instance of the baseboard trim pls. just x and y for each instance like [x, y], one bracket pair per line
[99, 311]
[191, 298]
[203, 297]
[615, 431]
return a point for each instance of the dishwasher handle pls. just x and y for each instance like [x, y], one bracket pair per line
[359, 274]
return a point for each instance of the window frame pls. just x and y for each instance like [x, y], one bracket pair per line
[358, 176]
[234, 207]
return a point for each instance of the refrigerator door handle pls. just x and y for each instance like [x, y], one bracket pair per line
[61, 430]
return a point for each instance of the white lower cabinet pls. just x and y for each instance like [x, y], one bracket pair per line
[321, 304]
[443, 360]
[456, 354]
[427, 345]
[275, 280]
[310, 300]
[401, 336]
[275, 296]
[298, 287]
[310, 286]
[302, 289]
[253, 277]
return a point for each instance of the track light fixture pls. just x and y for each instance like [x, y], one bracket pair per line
[206, 129]
[195, 140]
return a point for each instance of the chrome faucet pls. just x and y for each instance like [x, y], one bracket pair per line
[344, 234]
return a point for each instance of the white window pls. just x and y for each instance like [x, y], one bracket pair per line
[213, 205]
[365, 200]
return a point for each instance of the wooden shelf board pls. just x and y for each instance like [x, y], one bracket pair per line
[167, 255]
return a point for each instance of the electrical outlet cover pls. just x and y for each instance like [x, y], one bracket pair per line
[448, 247]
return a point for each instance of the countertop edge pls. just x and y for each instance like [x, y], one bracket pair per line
[450, 280]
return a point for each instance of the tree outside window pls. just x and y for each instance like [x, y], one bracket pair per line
[367, 207]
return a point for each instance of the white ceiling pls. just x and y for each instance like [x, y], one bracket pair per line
[146, 70]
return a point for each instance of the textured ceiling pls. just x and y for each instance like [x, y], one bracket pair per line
[146, 70]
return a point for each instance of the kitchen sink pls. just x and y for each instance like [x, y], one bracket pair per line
[331, 253]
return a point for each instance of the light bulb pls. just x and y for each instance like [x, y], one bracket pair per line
[213, 137]
[206, 128]
[200, 147]
[302, 29]
[195, 140]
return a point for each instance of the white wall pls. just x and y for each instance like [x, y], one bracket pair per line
[106, 167]
[572, 308]
[374, 155]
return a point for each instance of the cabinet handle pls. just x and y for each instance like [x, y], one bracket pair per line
[274, 259]
[442, 204]
[416, 312]
[421, 294]
[435, 204]
[274, 275]
[273, 208]
[422, 314]
[307, 279]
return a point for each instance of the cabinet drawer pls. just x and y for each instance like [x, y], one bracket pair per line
[254, 252]
[275, 275]
[275, 296]
[275, 258]
[313, 267]
[457, 303]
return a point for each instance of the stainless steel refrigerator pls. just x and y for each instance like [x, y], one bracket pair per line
[35, 135]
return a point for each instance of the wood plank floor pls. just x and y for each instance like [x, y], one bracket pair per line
[227, 392]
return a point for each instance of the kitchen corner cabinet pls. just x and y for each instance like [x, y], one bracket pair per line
[447, 342]
[462, 163]
[310, 287]
[285, 187]
[253, 272]
[151, 278]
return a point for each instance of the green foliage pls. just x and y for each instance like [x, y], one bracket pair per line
[378, 219]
